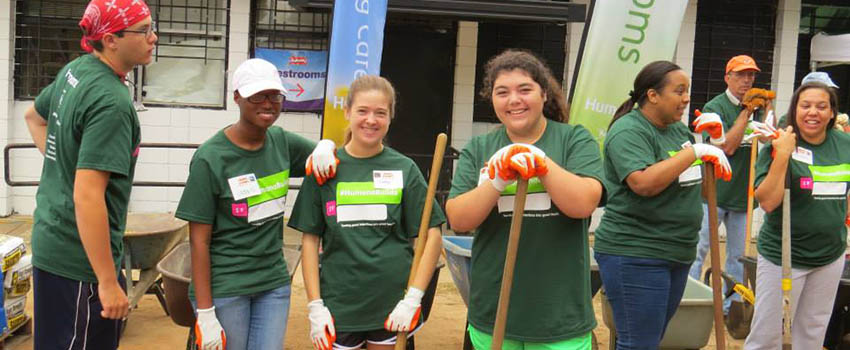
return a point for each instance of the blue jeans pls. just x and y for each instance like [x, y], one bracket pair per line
[255, 321]
[735, 222]
[644, 294]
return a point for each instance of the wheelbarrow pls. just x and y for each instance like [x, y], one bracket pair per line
[458, 251]
[147, 239]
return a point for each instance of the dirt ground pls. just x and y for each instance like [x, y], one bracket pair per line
[149, 327]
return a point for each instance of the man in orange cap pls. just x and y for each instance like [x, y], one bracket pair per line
[731, 196]
[86, 126]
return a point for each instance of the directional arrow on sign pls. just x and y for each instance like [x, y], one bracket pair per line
[300, 90]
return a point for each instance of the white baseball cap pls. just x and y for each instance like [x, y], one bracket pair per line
[819, 77]
[255, 75]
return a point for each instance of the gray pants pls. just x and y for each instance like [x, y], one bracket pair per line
[812, 296]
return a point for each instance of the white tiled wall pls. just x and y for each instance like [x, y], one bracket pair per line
[170, 125]
[464, 84]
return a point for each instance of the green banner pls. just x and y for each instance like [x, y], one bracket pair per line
[623, 37]
[830, 173]
[366, 193]
[272, 187]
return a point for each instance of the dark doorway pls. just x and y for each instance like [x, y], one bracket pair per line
[419, 59]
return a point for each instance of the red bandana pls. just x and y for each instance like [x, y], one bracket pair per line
[110, 16]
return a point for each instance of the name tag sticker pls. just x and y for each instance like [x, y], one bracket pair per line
[244, 186]
[533, 202]
[691, 174]
[802, 155]
[829, 189]
[387, 179]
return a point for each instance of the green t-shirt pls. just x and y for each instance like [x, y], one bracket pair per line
[365, 216]
[732, 195]
[664, 226]
[550, 298]
[247, 228]
[818, 203]
[91, 124]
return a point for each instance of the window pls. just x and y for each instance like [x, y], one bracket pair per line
[190, 58]
[46, 38]
[277, 25]
[724, 29]
[191, 55]
[545, 40]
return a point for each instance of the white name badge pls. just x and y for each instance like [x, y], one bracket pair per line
[244, 186]
[387, 179]
[533, 202]
[829, 188]
[361, 212]
[691, 174]
[802, 155]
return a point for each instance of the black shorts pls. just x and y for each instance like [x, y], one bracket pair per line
[356, 340]
[67, 315]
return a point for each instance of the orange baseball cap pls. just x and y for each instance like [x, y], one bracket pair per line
[741, 62]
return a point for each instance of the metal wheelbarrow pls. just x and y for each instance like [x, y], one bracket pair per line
[147, 239]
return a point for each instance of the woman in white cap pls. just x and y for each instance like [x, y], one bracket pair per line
[234, 200]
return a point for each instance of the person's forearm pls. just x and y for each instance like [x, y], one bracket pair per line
[736, 133]
[37, 127]
[657, 177]
[467, 211]
[425, 270]
[771, 191]
[310, 266]
[199, 235]
[93, 226]
[576, 196]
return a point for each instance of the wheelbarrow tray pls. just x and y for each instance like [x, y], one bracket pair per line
[148, 237]
[690, 326]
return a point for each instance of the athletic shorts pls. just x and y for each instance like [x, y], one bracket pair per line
[67, 315]
[481, 340]
[355, 340]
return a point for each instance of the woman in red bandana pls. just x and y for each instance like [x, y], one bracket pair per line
[85, 125]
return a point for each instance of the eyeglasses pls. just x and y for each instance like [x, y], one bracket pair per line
[148, 31]
[259, 98]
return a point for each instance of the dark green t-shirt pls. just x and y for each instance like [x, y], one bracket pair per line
[818, 203]
[91, 124]
[664, 226]
[247, 230]
[732, 195]
[550, 298]
[366, 216]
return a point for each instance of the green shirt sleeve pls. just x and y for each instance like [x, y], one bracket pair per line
[197, 204]
[42, 101]
[585, 159]
[307, 215]
[300, 149]
[628, 151]
[465, 176]
[413, 203]
[107, 138]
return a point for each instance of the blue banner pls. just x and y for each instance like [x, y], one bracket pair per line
[303, 74]
[357, 40]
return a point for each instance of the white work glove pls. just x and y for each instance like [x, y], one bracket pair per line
[758, 129]
[322, 331]
[712, 124]
[208, 332]
[405, 316]
[714, 155]
[322, 162]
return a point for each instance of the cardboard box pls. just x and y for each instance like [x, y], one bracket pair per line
[17, 281]
[11, 250]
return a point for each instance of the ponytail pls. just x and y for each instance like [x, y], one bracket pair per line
[653, 76]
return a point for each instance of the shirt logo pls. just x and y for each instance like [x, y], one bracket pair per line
[330, 208]
[239, 210]
[806, 183]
